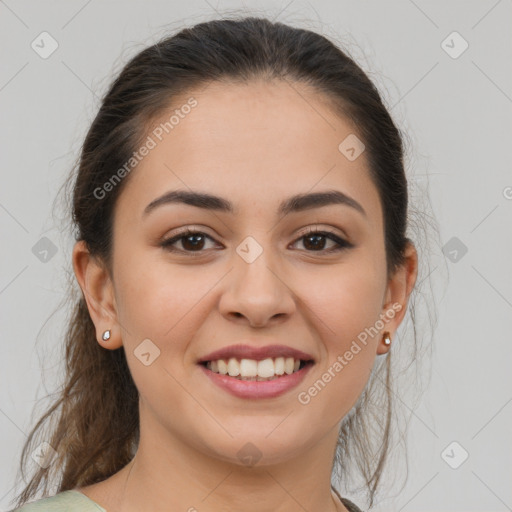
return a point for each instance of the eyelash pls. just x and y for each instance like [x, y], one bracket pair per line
[341, 243]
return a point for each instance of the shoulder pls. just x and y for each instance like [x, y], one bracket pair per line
[66, 501]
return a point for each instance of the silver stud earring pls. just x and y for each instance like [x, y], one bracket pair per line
[387, 339]
[106, 335]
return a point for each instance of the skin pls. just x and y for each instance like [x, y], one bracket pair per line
[255, 145]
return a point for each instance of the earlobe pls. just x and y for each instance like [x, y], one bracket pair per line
[98, 292]
[397, 296]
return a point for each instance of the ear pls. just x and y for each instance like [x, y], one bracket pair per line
[398, 290]
[98, 290]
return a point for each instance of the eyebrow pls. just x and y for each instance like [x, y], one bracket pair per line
[296, 203]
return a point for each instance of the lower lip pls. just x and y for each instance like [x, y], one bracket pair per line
[255, 389]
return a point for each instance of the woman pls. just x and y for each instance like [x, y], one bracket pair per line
[241, 210]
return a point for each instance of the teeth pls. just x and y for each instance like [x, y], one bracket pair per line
[233, 367]
[250, 369]
[221, 365]
[279, 366]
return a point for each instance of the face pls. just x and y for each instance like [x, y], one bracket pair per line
[311, 279]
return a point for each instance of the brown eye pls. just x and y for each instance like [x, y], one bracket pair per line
[191, 241]
[315, 241]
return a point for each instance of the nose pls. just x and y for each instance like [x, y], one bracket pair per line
[256, 293]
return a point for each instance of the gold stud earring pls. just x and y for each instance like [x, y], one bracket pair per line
[387, 339]
[106, 335]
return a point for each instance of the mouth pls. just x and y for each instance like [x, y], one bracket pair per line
[254, 372]
[246, 379]
[257, 370]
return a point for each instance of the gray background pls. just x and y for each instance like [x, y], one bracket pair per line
[457, 113]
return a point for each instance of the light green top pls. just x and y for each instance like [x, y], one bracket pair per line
[66, 501]
[75, 501]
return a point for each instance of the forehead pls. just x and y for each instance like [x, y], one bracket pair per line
[254, 143]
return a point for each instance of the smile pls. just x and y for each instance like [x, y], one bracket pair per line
[253, 370]
[243, 378]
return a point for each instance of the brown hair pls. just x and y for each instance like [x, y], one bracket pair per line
[94, 422]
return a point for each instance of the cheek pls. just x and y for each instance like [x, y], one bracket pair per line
[347, 298]
[345, 305]
[142, 296]
[162, 301]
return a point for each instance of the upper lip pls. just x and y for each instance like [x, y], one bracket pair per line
[257, 353]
